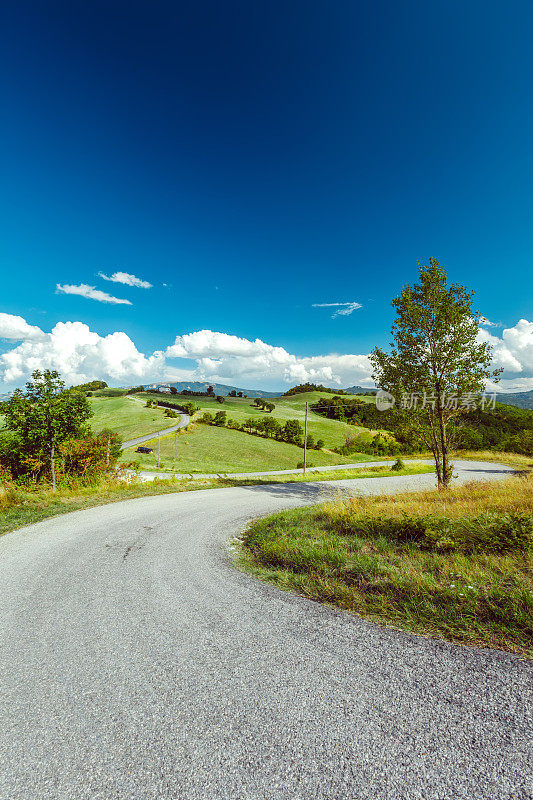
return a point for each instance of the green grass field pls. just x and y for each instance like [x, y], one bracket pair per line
[126, 416]
[205, 448]
[331, 431]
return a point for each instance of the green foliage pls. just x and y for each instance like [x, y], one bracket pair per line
[491, 532]
[436, 351]
[220, 419]
[43, 417]
[292, 431]
[89, 456]
[319, 445]
[219, 398]
[311, 387]
[398, 465]
[91, 386]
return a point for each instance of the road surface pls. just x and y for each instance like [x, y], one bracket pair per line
[137, 664]
[184, 421]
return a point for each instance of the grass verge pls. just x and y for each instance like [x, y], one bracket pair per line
[20, 506]
[455, 565]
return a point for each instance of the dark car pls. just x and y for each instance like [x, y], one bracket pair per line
[144, 450]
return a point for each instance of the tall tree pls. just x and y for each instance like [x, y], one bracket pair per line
[435, 359]
[45, 415]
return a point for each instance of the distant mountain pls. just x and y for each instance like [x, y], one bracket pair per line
[218, 388]
[359, 389]
[519, 399]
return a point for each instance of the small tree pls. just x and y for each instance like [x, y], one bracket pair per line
[220, 419]
[435, 354]
[292, 431]
[173, 390]
[45, 415]
[219, 398]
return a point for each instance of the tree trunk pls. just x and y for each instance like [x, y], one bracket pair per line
[446, 471]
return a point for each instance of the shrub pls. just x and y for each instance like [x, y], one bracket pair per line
[491, 532]
[398, 465]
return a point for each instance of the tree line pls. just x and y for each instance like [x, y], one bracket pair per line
[290, 432]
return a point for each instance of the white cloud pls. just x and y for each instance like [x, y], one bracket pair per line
[343, 309]
[128, 279]
[17, 329]
[80, 354]
[224, 357]
[91, 293]
[514, 350]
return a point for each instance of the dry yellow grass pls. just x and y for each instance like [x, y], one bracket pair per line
[512, 494]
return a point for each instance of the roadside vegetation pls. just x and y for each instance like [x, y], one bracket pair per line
[25, 503]
[456, 565]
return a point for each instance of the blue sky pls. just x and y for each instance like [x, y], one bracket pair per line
[252, 161]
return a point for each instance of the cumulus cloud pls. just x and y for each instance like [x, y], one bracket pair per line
[343, 309]
[17, 329]
[222, 357]
[91, 293]
[126, 278]
[514, 352]
[80, 354]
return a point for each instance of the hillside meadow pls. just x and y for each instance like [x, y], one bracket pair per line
[331, 431]
[206, 448]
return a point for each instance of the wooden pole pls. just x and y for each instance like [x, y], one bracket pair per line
[305, 438]
[53, 466]
[158, 450]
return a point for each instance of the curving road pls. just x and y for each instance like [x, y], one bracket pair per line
[184, 421]
[136, 663]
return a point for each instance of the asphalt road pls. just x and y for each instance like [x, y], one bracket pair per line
[184, 421]
[136, 663]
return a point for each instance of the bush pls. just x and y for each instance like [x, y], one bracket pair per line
[398, 465]
[300, 465]
[491, 532]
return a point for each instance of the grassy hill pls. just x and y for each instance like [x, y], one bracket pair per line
[211, 449]
[331, 431]
[125, 416]
[204, 448]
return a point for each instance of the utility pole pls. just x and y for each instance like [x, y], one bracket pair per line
[176, 444]
[53, 466]
[305, 437]
[158, 450]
